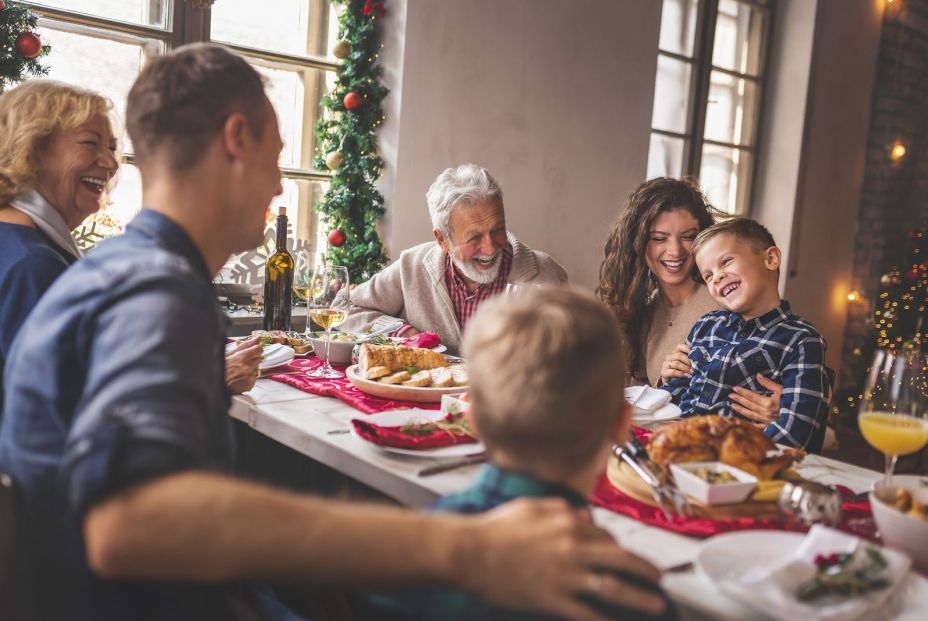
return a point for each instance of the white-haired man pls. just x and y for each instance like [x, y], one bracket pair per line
[437, 286]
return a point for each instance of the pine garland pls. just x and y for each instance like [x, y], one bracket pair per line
[18, 21]
[347, 141]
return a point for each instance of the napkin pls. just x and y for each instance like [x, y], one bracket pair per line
[394, 436]
[772, 588]
[646, 400]
[425, 340]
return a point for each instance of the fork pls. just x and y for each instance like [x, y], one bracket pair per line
[667, 497]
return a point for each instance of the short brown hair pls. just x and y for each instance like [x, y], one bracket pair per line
[181, 100]
[546, 376]
[743, 229]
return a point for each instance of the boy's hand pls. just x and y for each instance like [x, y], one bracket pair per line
[755, 406]
[242, 366]
[677, 363]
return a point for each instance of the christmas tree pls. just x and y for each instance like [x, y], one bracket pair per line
[347, 139]
[20, 46]
[903, 299]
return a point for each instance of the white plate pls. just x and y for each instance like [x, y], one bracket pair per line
[668, 412]
[394, 418]
[398, 392]
[729, 555]
[275, 356]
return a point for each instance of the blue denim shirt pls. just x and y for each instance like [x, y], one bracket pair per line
[117, 377]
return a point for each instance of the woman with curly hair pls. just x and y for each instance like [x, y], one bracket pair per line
[650, 279]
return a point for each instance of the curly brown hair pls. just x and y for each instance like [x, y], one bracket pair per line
[625, 283]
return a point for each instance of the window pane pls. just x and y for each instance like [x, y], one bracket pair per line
[103, 61]
[298, 197]
[665, 156]
[739, 34]
[295, 93]
[146, 12]
[731, 109]
[298, 27]
[725, 176]
[678, 26]
[671, 94]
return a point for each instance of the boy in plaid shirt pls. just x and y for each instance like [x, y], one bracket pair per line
[755, 335]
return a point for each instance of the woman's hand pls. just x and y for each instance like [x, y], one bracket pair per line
[677, 363]
[755, 406]
[242, 366]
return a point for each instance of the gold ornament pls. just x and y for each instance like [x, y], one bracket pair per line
[334, 159]
[341, 49]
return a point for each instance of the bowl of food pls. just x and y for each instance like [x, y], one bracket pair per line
[713, 482]
[900, 511]
[339, 348]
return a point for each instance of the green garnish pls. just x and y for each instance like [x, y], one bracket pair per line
[455, 424]
[846, 575]
[411, 370]
[266, 340]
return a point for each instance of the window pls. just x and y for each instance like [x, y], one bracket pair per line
[103, 44]
[707, 95]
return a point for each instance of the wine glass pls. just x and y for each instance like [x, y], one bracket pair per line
[517, 287]
[894, 406]
[302, 282]
[325, 284]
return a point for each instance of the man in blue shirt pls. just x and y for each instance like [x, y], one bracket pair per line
[116, 429]
[756, 335]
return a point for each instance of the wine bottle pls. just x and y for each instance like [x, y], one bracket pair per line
[278, 280]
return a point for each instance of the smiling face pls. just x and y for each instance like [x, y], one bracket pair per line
[478, 235]
[740, 277]
[75, 167]
[668, 250]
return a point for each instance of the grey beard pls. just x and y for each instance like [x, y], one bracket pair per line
[477, 275]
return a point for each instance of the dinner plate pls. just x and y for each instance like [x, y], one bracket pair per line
[393, 418]
[275, 356]
[668, 412]
[419, 394]
[730, 555]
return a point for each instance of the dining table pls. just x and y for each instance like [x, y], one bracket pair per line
[318, 427]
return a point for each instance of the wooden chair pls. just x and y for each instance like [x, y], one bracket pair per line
[16, 577]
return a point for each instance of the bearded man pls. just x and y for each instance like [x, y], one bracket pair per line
[437, 286]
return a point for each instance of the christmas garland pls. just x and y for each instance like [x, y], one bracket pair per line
[347, 140]
[20, 47]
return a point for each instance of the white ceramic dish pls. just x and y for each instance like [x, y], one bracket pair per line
[275, 356]
[899, 531]
[392, 418]
[668, 412]
[712, 493]
[398, 392]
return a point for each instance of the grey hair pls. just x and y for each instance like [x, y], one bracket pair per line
[468, 183]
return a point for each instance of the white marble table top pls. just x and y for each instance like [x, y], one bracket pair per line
[317, 427]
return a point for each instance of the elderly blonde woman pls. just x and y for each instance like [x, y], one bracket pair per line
[437, 286]
[57, 159]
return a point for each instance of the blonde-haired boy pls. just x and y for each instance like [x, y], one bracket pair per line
[755, 335]
[547, 400]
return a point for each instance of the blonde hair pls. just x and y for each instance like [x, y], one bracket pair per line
[29, 114]
[546, 376]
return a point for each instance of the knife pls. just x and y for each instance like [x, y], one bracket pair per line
[467, 460]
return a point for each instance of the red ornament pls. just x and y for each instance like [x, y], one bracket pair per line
[336, 237]
[29, 45]
[352, 101]
[2, 6]
[912, 274]
[373, 5]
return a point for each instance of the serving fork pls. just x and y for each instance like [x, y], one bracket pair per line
[668, 498]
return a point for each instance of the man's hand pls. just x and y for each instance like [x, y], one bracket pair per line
[541, 555]
[755, 406]
[242, 366]
[677, 363]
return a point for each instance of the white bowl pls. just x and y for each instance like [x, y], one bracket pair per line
[712, 493]
[339, 351]
[900, 531]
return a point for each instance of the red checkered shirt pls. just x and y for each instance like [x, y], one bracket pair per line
[465, 303]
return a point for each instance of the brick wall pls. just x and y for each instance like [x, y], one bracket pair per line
[894, 196]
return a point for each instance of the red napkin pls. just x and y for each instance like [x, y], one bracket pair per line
[425, 340]
[395, 437]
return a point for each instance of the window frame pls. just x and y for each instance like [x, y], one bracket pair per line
[701, 69]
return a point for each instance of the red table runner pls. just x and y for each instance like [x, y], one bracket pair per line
[394, 436]
[340, 388]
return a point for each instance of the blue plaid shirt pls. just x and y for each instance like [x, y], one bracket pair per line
[727, 351]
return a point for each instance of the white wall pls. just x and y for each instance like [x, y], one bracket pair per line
[552, 96]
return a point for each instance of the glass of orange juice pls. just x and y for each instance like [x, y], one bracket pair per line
[894, 410]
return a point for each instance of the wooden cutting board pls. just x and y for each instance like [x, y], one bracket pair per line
[626, 481]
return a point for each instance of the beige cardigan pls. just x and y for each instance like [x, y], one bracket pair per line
[412, 290]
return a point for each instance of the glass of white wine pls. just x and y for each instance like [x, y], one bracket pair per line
[325, 284]
[302, 282]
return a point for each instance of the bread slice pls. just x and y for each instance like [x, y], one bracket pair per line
[396, 358]
[395, 378]
[441, 377]
[377, 372]
[459, 375]
[422, 378]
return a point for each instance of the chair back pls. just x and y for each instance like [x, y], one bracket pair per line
[16, 577]
[817, 442]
